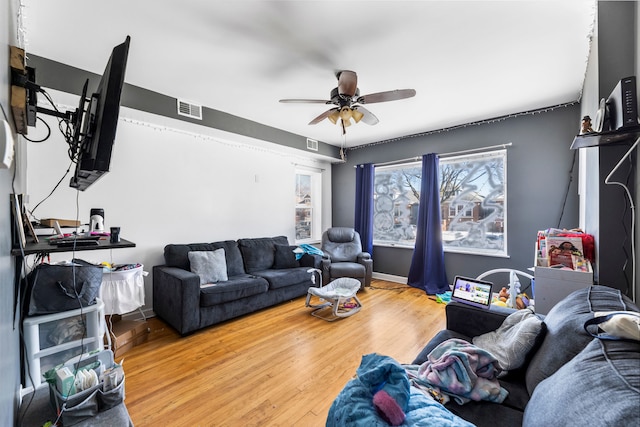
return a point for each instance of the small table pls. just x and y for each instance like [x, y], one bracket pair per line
[44, 248]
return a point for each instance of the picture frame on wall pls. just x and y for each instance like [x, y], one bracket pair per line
[17, 217]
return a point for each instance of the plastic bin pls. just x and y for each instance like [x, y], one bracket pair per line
[41, 355]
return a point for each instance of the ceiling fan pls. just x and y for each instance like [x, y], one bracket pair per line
[347, 100]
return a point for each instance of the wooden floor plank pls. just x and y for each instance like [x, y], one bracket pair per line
[276, 367]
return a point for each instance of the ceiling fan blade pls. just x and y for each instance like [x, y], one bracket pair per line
[305, 101]
[368, 117]
[347, 83]
[322, 116]
[392, 95]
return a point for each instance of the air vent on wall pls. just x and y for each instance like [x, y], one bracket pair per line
[189, 109]
[312, 144]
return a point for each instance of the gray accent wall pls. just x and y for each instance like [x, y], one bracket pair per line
[606, 210]
[540, 174]
[617, 49]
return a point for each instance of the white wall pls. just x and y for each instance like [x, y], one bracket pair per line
[173, 182]
[9, 333]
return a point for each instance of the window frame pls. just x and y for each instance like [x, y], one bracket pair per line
[314, 205]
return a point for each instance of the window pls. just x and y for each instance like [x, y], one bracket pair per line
[307, 206]
[472, 202]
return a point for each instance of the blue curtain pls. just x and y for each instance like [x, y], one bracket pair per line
[427, 269]
[363, 222]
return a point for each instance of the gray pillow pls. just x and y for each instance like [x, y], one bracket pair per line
[513, 340]
[211, 266]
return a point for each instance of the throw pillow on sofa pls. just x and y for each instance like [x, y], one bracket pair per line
[513, 340]
[285, 257]
[210, 266]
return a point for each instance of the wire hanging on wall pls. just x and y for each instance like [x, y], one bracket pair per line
[477, 123]
[608, 181]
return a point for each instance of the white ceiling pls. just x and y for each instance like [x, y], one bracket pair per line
[467, 60]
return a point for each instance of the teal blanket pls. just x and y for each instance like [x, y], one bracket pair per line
[354, 404]
[308, 249]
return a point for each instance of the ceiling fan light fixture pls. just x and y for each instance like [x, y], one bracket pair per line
[345, 113]
[334, 116]
[346, 122]
[356, 115]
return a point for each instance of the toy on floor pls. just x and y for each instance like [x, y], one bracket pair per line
[511, 296]
[504, 298]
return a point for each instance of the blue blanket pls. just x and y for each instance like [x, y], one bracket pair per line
[308, 249]
[354, 404]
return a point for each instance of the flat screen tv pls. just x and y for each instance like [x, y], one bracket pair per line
[97, 125]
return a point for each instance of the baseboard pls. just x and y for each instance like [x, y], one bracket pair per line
[389, 278]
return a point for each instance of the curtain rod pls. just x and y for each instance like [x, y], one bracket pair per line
[311, 168]
[473, 150]
[453, 153]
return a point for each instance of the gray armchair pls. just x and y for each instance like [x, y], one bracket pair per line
[343, 256]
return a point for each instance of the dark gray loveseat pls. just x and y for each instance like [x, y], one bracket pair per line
[261, 272]
[570, 377]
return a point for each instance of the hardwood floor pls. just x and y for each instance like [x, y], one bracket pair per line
[277, 367]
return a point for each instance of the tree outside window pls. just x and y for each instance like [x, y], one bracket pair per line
[472, 200]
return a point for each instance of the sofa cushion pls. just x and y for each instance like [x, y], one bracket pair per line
[566, 336]
[600, 385]
[235, 288]
[284, 257]
[177, 255]
[259, 253]
[286, 277]
[347, 269]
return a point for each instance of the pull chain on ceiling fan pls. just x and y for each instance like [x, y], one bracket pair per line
[347, 100]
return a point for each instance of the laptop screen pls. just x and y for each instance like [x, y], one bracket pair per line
[472, 291]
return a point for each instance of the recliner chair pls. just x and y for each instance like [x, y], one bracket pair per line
[343, 256]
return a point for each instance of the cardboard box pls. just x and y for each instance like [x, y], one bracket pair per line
[48, 222]
[553, 284]
[127, 334]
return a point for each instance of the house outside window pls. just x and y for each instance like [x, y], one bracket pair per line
[307, 206]
[472, 202]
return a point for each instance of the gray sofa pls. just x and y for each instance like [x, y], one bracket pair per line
[260, 272]
[569, 378]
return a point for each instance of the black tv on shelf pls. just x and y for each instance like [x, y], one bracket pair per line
[95, 131]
